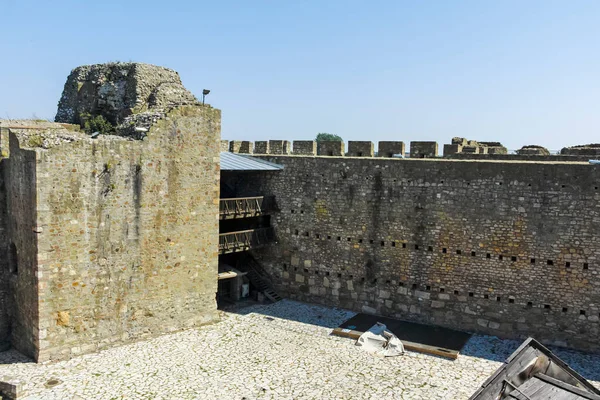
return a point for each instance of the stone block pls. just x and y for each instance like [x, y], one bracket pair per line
[11, 387]
[331, 148]
[470, 149]
[368, 310]
[423, 149]
[483, 322]
[469, 311]
[305, 148]
[389, 149]
[241, 146]
[422, 295]
[261, 147]
[361, 149]
[450, 149]
[437, 304]
[224, 145]
[279, 147]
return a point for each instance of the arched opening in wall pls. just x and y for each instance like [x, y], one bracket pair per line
[13, 259]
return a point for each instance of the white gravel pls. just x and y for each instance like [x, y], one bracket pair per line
[277, 351]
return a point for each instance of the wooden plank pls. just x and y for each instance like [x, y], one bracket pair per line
[230, 273]
[422, 338]
[410, 346]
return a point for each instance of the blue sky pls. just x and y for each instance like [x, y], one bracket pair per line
[519, 72]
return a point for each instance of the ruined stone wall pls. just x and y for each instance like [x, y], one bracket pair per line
[509, 249]
[127, 235]
[117, 90]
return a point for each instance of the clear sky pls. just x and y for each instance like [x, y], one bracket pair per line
[520, 72]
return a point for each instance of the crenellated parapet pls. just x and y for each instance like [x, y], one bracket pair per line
[423, 149]
[361, 149]
[241, 146]
[261, 147]
[305, 148]
[279, 147]
[391, 149]
[331, 148]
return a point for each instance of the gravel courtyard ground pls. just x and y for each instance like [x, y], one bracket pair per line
[277, 351]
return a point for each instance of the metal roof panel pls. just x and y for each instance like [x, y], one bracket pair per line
[242, 162]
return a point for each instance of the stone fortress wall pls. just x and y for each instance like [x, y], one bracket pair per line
[111, 239]
[460, 148]
[504, 248]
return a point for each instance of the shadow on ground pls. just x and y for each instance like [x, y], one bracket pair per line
[305, 313]
[479, 346]
[12, 356]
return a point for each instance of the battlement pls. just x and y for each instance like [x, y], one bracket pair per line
[327, 148]
[459, 148]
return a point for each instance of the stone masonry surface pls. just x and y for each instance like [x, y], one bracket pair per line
[117, 90]
[361, 149]
[504, 248]
[388, 149]
[278, 351]
[423, 149]
[330, 148]
[305, 147]
[116, 239]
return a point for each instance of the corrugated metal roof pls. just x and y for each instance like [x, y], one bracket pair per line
[239, 162]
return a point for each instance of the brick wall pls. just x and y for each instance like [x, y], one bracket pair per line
[509, 249]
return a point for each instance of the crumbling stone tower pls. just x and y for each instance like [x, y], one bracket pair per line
[110, 239]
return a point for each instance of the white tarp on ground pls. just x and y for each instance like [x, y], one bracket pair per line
[381, 342]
